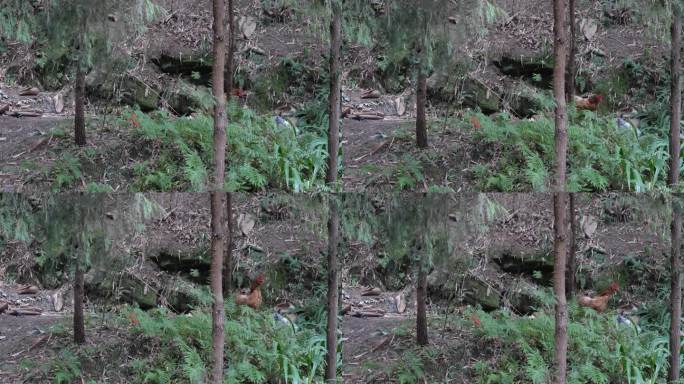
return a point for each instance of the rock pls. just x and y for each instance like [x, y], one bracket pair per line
[478, 95]
[474, 92]
[247, 26]
[134, 291]
[521, 260]
[180, 297]
[523, 297]
[523, 99]
[136, 92]
[175, 258]
[184, 98]
[187, 65]
[131, 90]
[527, 66]
[478, 292]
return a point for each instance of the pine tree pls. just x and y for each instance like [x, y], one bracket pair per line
[673, 181]
[333, 305]
[418, 31]
[560, 196]
[80, 31]
[218, 232]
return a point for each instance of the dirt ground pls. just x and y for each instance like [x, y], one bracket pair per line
[23, 337]
[372, 150]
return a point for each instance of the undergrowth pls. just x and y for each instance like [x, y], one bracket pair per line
[601, 155]
[600, 350]
[258, 348]
[261, 153]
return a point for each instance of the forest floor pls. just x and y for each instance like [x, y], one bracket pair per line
[382, 349]
[24, 337]
[378, 154]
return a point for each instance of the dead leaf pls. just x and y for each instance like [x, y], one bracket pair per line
[400, 103]
[39, 341]
[589, 27]
[246, 223]
[400, 301]
[589, 224]
[27, 290]
[371, 94]
[247, 26]
[58, 102]
[33, 91]
[57, 301]
[3, 306]
[375, 291]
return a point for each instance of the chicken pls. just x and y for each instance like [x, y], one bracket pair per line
[600, 302]
[475, 122]
[253, 299]
[588, 103]
[239, 93]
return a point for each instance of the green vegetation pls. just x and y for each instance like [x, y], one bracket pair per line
[601, 156]
[600, 350]
[261, 153]
[258, 348]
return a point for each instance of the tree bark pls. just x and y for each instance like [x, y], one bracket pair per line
[675, 95]
[219, 97]
[79, 107]
[217, 234]
[559, 199]
[571, 73]
[676, 292]
[79, 321]
[79, 86]
[216, 197]
[333, 240]
[559, 251]
[335, 89]
[228, 261]
[570, 282]
[421, 306]
[561, 117]
[230, 62]
[421, 103]
[673, 181]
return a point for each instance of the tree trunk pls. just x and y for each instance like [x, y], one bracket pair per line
[79, 321]
[333, 239]
[421, 118]
[228, 261]
[334, 97]
[217, 230]
[79, 107]
[673, 180]
[676, 95]
[570, 282]
[559, 200]
[219, 97]
[421, 306]
[561, 117]
[559, 251]
[217, 234]
[230, 62]
[571, 73]
[676, 292]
